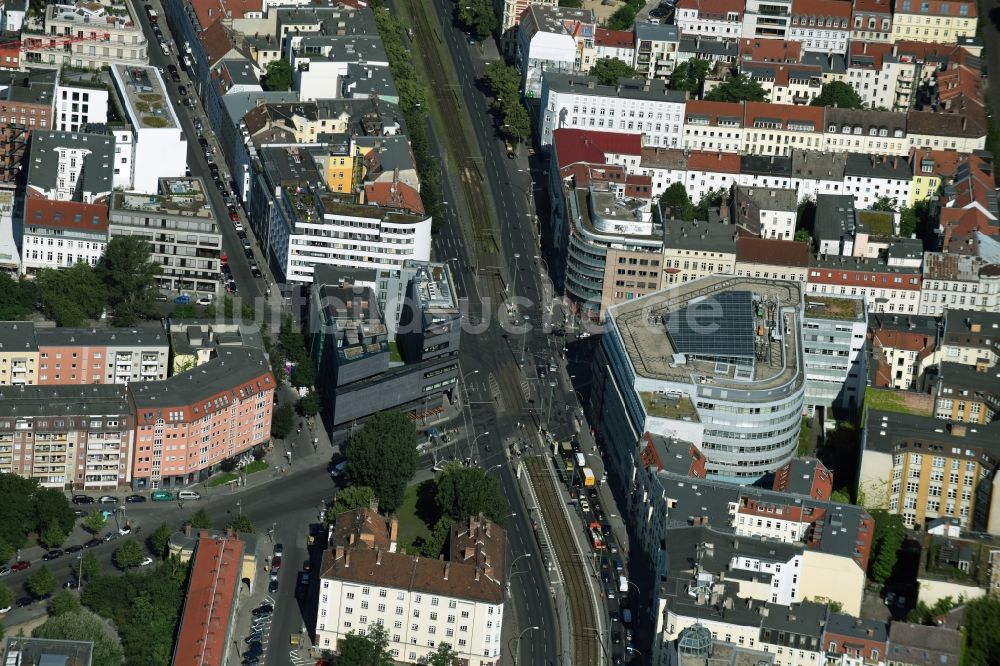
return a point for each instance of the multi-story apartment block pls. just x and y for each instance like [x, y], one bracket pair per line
[617, 44]
[710, 18]
[767, 18]
[510, 11]
[365, 580]
[963, 130]
[67, 436]
[934, 20]
[713, 126]
[692, 250]
[657, 47]
[26, 105]
[634, 106]
[772, 259]
[681, 360]
[919, 645]
[871, 21]
[923, 468]
[891, 289]
[765, 212]
[59, 234]
[188, 424]
[931, 170]
[155, 141]
[553, 39]
[18, 354]
[785, 83]
[86, 34]
[959, 281]
[884, 78]
[821, 25]
[967, 394]
[865, 132]
[777, 129]
[71, 166]
[902, 348]
[195, 342]
[971, 338]
[833, 343]
[101, 355]
[179, 224]
[430, 323]
[78, 102]
[872, 177]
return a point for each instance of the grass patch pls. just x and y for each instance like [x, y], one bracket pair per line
[255, 466]
[414, 525]
[394, 355]
[886, 400]
[154, 121]
[805, 439]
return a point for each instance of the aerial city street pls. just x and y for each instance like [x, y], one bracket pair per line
[487, 333]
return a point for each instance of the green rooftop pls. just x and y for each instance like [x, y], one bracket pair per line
[664, 406]
[879, 222]
[831, 307]
[899, 402]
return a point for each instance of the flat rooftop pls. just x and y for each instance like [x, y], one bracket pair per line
[24, 651]
[178, 196]
[432, 285]
[702, 330]
[144, 97]
[831, 307]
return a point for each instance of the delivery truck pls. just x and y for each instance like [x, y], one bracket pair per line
[588, 477]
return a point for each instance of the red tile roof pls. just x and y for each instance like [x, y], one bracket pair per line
[964, 221]
[714, 110]
[75, 215]
[959, 80]
[577, 145]
[873, 6]
[770, 50]
[833, 8]
[874, 50]
[210, 11]
[784, 113]
[209, 604]
[772, 251]
[717, 162]
[620, 39]
[943, 163]
[937, 8]
[394, 194]
[218, 41]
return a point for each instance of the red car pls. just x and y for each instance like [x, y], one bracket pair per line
[233, 215]
[20, 565]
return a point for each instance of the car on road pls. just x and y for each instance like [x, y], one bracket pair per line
[135, 499]
[272, 586]
[254, 637]
[109, 499]
[73, 549]
[183, 299]
[174, 75]
[203, 142]
[80, 513]
[5, 610]
[249, 255]
[125, 529]
[70, 585]
[92, 543]
[256, 272]
[83, 499]
[279, 550]
[53, 554]
[205, 300]
[262, 610]
[4, 571]
[182, 91]
[275, 563]
[161, 496]
[24, 602]
[20, 565]
[241, 233]
[233, 215]
[188, 102]
[338, 469]
[146, 561]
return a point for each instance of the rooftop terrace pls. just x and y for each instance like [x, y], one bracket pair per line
[831, 307]
[178, 196]
[145, 98]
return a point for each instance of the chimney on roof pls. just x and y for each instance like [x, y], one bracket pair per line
[393, 533]
[347, 560]
[477, 574]
[447, 570]
[378, 557]
[338, 553]
[187, 529]
[965, 122]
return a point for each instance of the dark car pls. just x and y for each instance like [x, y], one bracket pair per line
[24, 601]
[92, 543]
[220, 185]
[109, 499]
[174, 76]
[241, 234]
[203, 142]
[263, 609]
[182, 91]
[253, 638]
[70, 585]
[276, 562]
[256, 272]
[134, 499]
[80, 513]
[73, 549]
[83, 499]
[272, 587]
[249, 254]
[616, 637]
[53, 554]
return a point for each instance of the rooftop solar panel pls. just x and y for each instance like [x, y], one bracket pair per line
[720, 326]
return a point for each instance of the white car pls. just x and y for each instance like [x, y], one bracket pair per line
[127, 529]
[4, 610]
[205, 300]
[146, 562]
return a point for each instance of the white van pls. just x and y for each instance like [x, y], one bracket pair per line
[188, 495]
[622, 584]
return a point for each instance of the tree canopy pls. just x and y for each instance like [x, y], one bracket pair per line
[82, 625]
[282, 421]
[26, 507]
[42, 582]
[609, 70]
[348, 499]
[6, 596]
[839, 94]
[982, 617]
[277, 75]
[372, 649]
[94, 522]
[383, 456]
[159, 540]
[18, 298]
[676, 198]
[467, 491]
[241, 523]
[72, 295]
[478, 17]
[888, 537]
[129, 277]
[64, 602]
[624, 16]
[442, 656]
[737, 88]
[690, 76]
[129, 554]
[200, 520]
[885, 204]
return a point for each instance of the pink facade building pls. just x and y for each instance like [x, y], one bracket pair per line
[101, 355]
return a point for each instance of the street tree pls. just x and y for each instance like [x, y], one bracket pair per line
[53, 535]
[41, 583]
[82, 625]
[130, 278]
[200, 520]
[839, 94]
[309, 404]
[241, 523]
[383, 456]
[478, 17]
[468, 491]
[159, 540]
[738, 88]
[282, 421]
[277, 75]
[6, 550]
[64, 602]
[504, 81]
[51, 504]
[442, 656]
[6, 596]
[17, 509]
[90, 566]
[609, 70]
[94, 522]
[348, 499]
[516, 123]
[129, 554]
[305, 372]
[72, 295]
[372, 649]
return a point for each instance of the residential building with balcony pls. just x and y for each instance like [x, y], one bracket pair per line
[26, 100]
[681, 362]
[656, 49]
[710, 18]
[902, 348]
[617, 44]
[365, 580]
[553, 39]
[67, 437]
[79, 101]
[942, 21]
[101, 355]
[971, 338]
[967, 394]
[767, 18]
[185, 426]
[59, 234]
[785, 83]
[179, 224]
[834, 335]
[871, 21]
[18, 354]
[89, 35]
[777, 129]
[765, 212]
[884, 77]
[958, 281]
[823, 26]
[644, 107]
[509, 12]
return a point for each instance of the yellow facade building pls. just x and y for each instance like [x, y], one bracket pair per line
[937, 21]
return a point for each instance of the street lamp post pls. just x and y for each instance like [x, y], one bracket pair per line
[517, 642]
[511, 567]
[471, 448]
[497, 466]
[513, 290]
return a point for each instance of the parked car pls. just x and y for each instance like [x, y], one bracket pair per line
[92, 543]
[161, 496]
[83, 499]
[24, 602]
[125, 530]
[20, 565]
[109, 499]
[133, 499]
[183, 299]
[279, 550]
[262, 610]
[275, 562]
[53, 554]
[182, 91]
[73, 549]
[146, 561]
[272, 587]
[5, 571]
[233, 215]
[255, 272]
[70, 585]
[174, 76]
